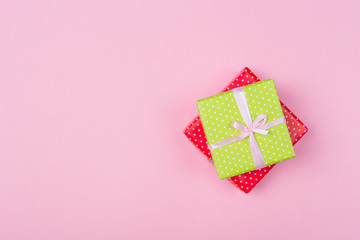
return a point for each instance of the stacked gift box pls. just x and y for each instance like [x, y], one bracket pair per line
[245, 130]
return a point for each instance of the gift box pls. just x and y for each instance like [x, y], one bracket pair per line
[247, 181]
[245, 128]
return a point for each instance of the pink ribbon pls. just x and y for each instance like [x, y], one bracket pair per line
[259, 125]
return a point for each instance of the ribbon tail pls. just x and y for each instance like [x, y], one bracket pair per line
[258, 158]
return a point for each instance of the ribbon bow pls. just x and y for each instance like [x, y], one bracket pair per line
[259, 125]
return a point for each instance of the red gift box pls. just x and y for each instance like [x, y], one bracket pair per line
[246, 181]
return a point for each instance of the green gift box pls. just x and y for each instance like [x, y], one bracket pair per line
[245, 129]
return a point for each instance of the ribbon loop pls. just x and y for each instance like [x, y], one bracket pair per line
[238, 126]
[260, 120]
[259, 125]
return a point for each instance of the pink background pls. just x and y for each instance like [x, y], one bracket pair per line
[94, 96]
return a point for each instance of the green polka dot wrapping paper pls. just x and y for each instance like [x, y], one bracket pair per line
[218, 114]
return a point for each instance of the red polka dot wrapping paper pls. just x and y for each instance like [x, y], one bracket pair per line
[246, 181]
